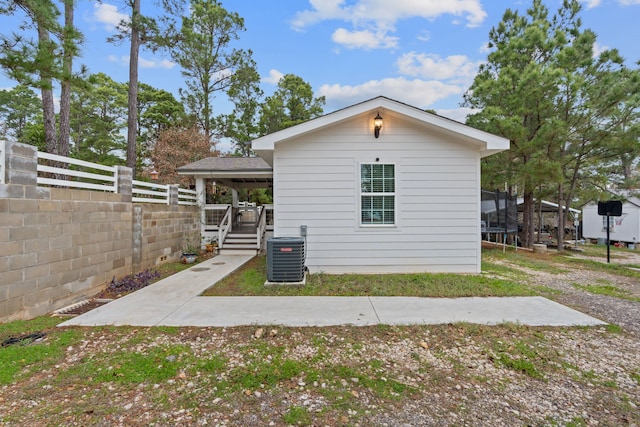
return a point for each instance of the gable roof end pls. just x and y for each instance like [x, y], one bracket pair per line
[488, 143]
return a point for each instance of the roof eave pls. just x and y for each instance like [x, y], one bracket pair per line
[487, 142]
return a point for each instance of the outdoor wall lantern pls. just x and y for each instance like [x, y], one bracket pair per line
[377, 125]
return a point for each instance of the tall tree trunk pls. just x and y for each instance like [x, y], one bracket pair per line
[68, 46]
[133, 87]
[46, 89]
[528, 219]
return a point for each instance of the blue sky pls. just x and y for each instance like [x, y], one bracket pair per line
[422, 52]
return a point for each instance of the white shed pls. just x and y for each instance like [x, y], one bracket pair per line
[625, 228]
[401, 199]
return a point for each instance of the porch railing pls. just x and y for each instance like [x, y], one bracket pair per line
[269, 219]
[218, 220]
[224, 227]
[260, 226]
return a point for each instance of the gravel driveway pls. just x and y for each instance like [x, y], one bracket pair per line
[618, 311]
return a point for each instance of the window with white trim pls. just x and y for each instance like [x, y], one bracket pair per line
[377, 194]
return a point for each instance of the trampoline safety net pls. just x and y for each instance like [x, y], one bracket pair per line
[499, 212]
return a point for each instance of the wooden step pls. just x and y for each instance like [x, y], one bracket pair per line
[240, 242]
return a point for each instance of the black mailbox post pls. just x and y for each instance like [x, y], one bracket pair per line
[609, 208]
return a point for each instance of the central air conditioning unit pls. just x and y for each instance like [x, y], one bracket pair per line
[285, 259]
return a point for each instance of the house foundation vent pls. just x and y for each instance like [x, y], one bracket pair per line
[285, 259]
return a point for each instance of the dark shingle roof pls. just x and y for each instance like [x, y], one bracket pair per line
[227, 164]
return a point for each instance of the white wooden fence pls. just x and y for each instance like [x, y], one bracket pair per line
[93, 176]
[86, 174]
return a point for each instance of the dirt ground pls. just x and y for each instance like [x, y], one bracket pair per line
[446, 375]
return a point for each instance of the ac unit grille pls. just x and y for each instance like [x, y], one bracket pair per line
[285, 259]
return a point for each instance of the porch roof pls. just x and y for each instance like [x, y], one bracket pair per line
[237, 172]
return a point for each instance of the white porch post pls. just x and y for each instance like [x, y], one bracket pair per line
[234, 195]
[201, 194]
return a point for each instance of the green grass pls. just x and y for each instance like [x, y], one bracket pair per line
[143, 367]
[492, 268]
[264, 373]
[608, 290]
[158, 364]
[503, 274]
[249, 281]
[522, 357]
[28, 356]
[549, 262]
[297, 416]
[603, 266]
[21, 327]
[613, 328]
[601, 251]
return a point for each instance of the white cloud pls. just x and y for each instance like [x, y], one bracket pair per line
[274, 77]
[142, 62]
[420, 93]
[424, 36]
[121, 60]
[485, 48]
[109, 15]
[364, 39]
[590, 4]
[434, 67]
[598, 49]
[383, 13]
[321, 10]
[152, 63]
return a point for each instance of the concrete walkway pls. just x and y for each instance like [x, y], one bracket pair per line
[175, 301]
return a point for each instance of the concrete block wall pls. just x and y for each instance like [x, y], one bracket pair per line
[60, 246]
[60, 249]
[162, 234]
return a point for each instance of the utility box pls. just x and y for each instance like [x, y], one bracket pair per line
[285, 259]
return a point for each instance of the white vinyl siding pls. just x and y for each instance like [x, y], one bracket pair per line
[317, 183]
[377, 194]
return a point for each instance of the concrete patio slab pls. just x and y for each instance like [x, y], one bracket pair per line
[287, 311]
[176, 301]
[531, 311]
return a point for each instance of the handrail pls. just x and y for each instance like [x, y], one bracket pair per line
[261, 224]
[224, 227]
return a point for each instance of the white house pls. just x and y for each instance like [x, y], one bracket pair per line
[625, 228]
[399, 197]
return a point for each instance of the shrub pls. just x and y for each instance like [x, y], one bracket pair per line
[132, 282]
